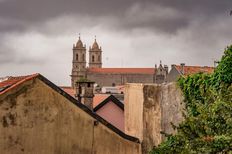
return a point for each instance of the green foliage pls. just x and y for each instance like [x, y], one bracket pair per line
[207, 127]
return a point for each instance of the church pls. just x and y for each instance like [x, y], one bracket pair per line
[109, 76]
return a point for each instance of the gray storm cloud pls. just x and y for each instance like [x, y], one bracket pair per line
[37, 36]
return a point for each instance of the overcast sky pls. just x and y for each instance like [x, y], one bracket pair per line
[37, 35]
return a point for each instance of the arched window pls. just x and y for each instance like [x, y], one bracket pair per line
[83, 57]
[92, 58]
[77, 57]
[99, 59]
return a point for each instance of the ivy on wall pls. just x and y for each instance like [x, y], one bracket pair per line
[207, 127]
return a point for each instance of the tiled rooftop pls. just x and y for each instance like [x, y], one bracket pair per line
[195, 69]
[69, 90]
[13, 81]
[98, 98]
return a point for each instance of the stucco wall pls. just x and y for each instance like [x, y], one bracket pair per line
[113, 114]
[36, 119]
[149, 109]
[133, 110]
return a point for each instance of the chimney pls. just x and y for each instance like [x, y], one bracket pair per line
[182, 67]
[84, 92]
[172, 66]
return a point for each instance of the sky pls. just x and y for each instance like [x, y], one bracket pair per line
[37, 36]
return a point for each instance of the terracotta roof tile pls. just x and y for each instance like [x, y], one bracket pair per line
[13, 81]
[188, 70]
[98, 98]
[123, 70]
[69, 90]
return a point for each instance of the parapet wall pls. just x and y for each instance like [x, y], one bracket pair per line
[149, 109]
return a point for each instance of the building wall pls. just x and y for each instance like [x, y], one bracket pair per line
[172, 75]
[149, 109]
[133, 110]
[34, 118]
[113, 114]
[119, 79]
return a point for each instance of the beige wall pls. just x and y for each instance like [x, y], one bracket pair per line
[36, 119]
[113, 114]
[133, 110]
[149, 109]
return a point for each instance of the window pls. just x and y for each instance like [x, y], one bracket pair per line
[99, 59]
[77, 57]
[93, 58]
[83, 57]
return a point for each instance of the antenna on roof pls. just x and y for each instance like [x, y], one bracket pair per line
[215, 62]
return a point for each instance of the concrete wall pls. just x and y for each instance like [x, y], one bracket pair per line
[149, 109]
[34, 118]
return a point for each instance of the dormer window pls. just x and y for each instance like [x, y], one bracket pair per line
[83, 57]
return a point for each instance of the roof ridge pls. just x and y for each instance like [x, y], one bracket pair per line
[21, 79]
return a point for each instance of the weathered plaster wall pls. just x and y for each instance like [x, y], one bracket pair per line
[172, 106]
[149, 109]
[36, 119]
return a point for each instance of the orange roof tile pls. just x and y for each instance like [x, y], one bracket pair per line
[188, 70]
[13, 82]
[123, 70]
[98, 98]
[69, 90]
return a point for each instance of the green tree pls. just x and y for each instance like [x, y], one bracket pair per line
[207, 127]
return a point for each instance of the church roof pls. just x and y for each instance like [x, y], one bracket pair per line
[95, 45]
[123, 70]
[188, 70]
[79, 43]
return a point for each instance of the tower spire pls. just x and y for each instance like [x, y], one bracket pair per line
[79, 36]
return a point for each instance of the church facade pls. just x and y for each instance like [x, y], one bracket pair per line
[109, 76]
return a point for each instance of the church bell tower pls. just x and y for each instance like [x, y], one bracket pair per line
[95, 55]
[79, 62]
